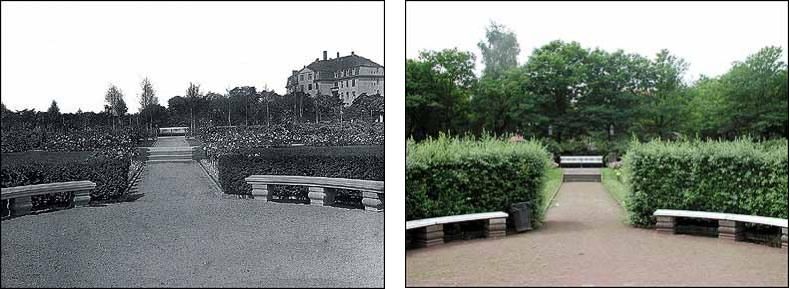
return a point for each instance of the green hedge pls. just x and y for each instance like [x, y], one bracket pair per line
[109, 174]
[451, 176]
[354, 162]
[740, 177]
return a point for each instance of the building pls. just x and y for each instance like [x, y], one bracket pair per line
[347, 77]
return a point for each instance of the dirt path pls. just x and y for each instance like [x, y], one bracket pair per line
[180, 235]
[585, 242]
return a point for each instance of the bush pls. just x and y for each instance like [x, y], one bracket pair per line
[109, 173]
[353, 162]
[740, 177]
[451, 176]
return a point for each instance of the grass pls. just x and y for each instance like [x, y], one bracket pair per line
[553, 181]
[614, 186]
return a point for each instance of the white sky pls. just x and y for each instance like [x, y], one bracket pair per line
[71, 52]
[709, 36]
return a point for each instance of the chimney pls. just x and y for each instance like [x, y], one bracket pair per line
[352, 52]
[338, 54]
[316, 60]
[324, 54]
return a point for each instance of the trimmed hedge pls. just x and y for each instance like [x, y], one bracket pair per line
[451, 176]
[109, 173]
[354, 162]
[740, 177]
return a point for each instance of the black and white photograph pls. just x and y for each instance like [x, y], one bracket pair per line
[192, 144]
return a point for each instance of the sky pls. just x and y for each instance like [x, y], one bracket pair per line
[708, 36]
[73, 52]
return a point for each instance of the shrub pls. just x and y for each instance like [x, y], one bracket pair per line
[109, 173]
[740, 177]
[451, 176]
[354, 162]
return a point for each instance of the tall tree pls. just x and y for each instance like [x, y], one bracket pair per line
[500, 50]
[193, 96]
[147, 99]
[53, 113]
[114, 103]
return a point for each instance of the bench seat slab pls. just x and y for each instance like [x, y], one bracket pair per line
[784, 238]
[430, 236]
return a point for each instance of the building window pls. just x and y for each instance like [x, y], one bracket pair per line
[335, 83]
[301, 87]
[377, 91]
[309, 87]
[354, 93]
[346, 94]
[301, 76]
[346, 83]
[353, 82]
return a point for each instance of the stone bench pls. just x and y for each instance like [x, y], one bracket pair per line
[730, 225]
[372, 191]
[431, 230]
[581, 160]
[19, 198]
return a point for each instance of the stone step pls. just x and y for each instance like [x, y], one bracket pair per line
[170, 157]
[581, 178]
[168, 161]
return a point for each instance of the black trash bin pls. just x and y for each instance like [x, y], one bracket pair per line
[521, 215]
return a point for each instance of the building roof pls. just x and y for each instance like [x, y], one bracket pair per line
[326, 68]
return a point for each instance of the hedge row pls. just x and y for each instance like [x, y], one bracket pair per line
[109, 173]
[740, 177]
[451, 176]
[89, 139]
[354, 162]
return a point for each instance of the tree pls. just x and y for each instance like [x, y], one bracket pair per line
[500, 50]
[326, 105]
[437, 92]
[193, 97]
[53, 113]
[242, 98]
[147, 99]
[756, 95]
[663, 104]
[114, 103]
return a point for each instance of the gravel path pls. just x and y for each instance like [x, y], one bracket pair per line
[180, 234]
[585, 242]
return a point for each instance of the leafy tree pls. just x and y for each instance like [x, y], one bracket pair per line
[53, 113]
[114, 103]
[437, 92]
[193, 98]
[500, 50]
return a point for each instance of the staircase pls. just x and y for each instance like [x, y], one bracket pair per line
[169, 155]
[581, 175]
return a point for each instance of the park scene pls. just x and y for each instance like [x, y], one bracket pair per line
[253, 185]
[534, 159]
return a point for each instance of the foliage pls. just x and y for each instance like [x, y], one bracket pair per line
[109, 173]
[451, 176]
[741, 177]
[500, 50]
[355, 162]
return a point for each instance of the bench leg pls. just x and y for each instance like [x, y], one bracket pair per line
[82, 198]
[731, 230]
[320, 196]
[430, 236]
[20, 206]
[666, 225]
[261, 192]
[372, 201]
[784, 238]
[495, 228]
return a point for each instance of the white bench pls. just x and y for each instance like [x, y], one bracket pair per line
[581, 160]
[19, 198]
[730, 225]
[372, 191]
[432, 229]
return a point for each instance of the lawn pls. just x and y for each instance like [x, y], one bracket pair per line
[553, 181]
[614, 186]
